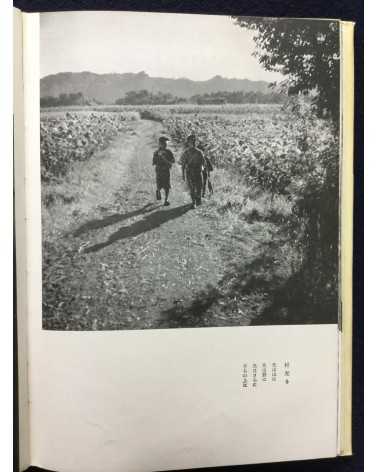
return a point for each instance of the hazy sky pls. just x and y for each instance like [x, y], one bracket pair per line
[163, 45]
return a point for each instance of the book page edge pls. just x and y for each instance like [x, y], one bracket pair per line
[347, 103]
[20, 241]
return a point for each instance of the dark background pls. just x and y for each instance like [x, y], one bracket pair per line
[341, 9]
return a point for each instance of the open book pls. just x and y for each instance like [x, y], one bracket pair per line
[184, 239]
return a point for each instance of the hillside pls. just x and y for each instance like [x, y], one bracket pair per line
[107, 88]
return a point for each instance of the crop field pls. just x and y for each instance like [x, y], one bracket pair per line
[67, 136]
[271, 150]
[266, 145]
[164, 110]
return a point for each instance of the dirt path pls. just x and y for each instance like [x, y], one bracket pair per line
[123, 261]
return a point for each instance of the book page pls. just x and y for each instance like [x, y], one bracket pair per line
[176, 324]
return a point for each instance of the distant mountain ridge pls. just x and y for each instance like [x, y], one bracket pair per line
[107, 88]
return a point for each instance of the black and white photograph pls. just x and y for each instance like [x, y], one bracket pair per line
[189, 170]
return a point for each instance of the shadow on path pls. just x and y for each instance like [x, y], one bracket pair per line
[191, 316]
[251, 278]
[295, 299]
[149, 222]
[110, 220]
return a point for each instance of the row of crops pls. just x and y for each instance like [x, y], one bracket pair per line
[66, 137]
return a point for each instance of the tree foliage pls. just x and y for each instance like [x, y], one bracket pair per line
[306, 52]
[219, 98]
[144, 97]
[65, 99]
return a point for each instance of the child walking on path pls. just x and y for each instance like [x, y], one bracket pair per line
[193, 162]
[163, 160]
